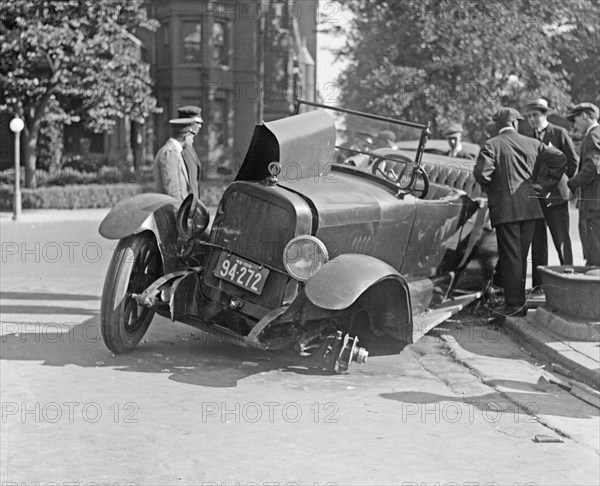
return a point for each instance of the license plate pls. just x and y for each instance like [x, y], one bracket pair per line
[241, 272]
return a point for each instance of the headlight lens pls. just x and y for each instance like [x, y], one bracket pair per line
[304, 256]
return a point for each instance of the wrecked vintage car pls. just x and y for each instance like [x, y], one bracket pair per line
[304, 255]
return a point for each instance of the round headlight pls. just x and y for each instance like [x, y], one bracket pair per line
[304, 256]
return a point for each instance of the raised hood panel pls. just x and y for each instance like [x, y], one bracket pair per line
[302, 144]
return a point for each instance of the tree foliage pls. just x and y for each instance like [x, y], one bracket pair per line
[78, 56]
[457, 61]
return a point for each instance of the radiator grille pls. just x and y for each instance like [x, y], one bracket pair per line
[258, 230]
[255, 229]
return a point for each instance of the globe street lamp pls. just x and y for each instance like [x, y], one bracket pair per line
[16, 126]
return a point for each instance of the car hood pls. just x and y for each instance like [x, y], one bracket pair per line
[357, 215]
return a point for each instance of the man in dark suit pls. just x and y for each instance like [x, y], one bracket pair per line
[453, 134]
[190, 157]
[170, 170]
[585, 116]
[555, 200]
[504, 169]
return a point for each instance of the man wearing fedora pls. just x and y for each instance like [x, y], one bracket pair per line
[555, 193]
[385, 139]
[585, 117]
[171, 173]
[504, 169]
[190, 157]
[453, 134]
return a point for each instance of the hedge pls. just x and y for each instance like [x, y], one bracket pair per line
[70, 197]
[92, 195]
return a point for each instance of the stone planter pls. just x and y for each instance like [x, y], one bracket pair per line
[570, 292]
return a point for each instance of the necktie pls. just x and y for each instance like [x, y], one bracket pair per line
[540, 135]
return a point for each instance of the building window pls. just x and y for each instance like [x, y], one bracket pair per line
[220, 42]
[96, 143]
[281, 40]
[220, 141]
[192, 42]
[164, 44]
[79, 141]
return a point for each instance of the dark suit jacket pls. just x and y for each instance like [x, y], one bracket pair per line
[554, 179]
[504, 169]
[192, 162]
[588, 178]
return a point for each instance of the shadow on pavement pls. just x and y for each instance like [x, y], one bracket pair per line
[491, 405]
[186, 354]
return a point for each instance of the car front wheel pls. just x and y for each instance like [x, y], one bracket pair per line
[135, 264]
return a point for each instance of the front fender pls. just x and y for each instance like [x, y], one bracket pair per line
[146, 212]
[339, 283]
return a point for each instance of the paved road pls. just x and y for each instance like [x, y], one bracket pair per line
[183, 409]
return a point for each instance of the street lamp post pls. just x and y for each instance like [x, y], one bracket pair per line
[16, 126]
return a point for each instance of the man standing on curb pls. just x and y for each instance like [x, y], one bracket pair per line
[555, 200]
[170, 171]
[190, 157]
[585, 117]
[504, 169]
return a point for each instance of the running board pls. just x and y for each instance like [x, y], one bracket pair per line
[426, 321]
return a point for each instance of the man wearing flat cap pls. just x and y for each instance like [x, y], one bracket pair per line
[555, 200]
[504, 169]
[190, 157]
[170, 170]
[453, 134]
[585, 116]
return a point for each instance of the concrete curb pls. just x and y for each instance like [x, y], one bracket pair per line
[578, 359]
[576, 330]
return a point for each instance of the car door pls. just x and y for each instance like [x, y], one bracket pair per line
[435, 242]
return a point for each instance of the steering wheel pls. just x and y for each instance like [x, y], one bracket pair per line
[423, 175]
[387, 166]
[392, 168]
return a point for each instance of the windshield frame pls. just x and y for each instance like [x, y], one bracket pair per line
[424, 136]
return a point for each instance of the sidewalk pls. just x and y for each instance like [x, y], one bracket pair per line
[529, 388]
[571, 358]
[571, 347]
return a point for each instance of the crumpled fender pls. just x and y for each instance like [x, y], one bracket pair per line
[146, 212]
[340, 282]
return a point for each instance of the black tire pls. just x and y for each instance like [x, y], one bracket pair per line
[135, 264]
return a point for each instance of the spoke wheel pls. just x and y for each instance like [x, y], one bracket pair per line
[135, 264]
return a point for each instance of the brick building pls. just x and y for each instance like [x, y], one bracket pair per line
[240, 60]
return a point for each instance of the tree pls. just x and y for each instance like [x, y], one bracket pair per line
[581, 59]
[457, 61]
[78, 55]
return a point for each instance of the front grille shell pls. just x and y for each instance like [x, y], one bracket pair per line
[255, 222]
